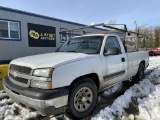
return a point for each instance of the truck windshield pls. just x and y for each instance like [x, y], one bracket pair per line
[87, 44]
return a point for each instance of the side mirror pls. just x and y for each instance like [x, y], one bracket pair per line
[111, 51]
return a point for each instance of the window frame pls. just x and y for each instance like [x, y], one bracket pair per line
[117, 41]
[19, 30]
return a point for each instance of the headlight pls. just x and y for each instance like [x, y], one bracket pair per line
[41, 84]
[47, 72]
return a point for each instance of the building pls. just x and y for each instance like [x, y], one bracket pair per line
[23, 33]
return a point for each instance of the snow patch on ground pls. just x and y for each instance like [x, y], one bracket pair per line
[16, 112]
[112, 89]
[154, 62]
[3, 95]
[117, 109]
[149, 107]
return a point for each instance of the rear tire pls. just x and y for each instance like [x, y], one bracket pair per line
[82, 98]
[140, 74]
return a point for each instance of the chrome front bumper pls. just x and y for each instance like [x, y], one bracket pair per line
[56, 102]
[46, 106]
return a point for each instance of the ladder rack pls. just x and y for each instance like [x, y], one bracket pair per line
[110, 26]
[105, 26]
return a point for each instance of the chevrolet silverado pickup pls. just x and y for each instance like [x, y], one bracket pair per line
[71, 78]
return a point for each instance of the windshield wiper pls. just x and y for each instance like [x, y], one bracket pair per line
[59, 51]
[72, 51]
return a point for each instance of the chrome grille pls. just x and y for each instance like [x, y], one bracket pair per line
[20, 69]
[18, 79]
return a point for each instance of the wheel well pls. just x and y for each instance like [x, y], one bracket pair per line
[92, 76]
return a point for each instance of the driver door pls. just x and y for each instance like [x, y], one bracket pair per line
[114, 66]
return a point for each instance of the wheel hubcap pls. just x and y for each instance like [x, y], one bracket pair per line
[83, 99]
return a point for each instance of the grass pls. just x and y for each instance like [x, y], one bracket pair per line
[1, 85]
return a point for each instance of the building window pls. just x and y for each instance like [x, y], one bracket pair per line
[9, 30]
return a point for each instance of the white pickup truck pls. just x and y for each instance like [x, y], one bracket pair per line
[71, 78]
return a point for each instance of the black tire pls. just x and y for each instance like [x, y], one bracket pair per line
[140, 74]
[82, 98]
[152, 54]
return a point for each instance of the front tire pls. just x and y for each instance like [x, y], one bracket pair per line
[82, 98]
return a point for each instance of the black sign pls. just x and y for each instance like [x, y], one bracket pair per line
[41, 36]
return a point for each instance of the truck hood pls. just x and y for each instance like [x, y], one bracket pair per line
[50, 59]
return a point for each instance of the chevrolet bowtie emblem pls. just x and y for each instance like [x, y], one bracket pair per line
[15, 74]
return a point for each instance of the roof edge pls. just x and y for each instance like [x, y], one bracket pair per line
[42, 16]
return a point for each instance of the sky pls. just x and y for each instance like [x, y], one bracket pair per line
[144, 12]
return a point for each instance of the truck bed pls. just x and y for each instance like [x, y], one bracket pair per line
[133, 61]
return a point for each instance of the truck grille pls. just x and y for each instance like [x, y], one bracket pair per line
[21, 80]
[20, 69]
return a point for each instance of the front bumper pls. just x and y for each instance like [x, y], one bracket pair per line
[46, 102]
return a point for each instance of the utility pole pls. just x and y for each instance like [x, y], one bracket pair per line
[137, 41]
[136, 25]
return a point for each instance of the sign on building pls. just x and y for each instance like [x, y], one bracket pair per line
[41, 36]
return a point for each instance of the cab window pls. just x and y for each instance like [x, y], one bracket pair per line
[112, 41]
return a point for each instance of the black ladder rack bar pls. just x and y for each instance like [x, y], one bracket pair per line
[89, 26]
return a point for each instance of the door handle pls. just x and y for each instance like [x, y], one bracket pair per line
[123, 59]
